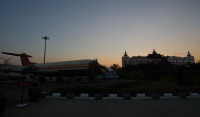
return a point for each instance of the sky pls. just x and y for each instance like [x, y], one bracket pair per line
[102, 29]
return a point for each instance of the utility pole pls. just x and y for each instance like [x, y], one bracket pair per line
[45, 38]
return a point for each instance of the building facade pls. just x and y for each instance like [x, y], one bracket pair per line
[156, 58]
[181, 60]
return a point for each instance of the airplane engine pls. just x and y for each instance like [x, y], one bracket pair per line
[30, 68]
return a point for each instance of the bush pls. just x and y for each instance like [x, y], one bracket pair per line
[196, 80]
[135, 75]
[167, 78]
[122, 85]
[132, 88]
[43, 79]
[2, 78]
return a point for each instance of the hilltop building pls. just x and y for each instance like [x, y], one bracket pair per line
[181, 60]
[156, 58]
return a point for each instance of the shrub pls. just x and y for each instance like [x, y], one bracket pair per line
[122, 85]
[196, 80]
[167, 78]
[135, 75]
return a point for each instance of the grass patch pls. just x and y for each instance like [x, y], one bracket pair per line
[131, 87]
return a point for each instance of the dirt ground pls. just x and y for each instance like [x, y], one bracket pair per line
[14, 93]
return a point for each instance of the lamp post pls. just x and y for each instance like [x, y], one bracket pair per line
[45, 38]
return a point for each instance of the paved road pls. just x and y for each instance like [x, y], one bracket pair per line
[108, 108]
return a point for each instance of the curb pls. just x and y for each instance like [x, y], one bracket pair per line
[141, 96]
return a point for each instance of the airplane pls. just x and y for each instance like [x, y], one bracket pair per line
[52, 69]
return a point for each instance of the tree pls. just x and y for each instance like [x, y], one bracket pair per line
[118, 70]
[95, 69]
[4, 66]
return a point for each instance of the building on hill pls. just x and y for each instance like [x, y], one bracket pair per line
[156, 58]
[181, 60]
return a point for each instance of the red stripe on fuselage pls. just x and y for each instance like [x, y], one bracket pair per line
[63, 67]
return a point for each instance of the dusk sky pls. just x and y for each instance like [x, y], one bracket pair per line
[102, 29]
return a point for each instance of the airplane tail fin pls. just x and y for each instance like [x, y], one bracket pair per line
[24, 58]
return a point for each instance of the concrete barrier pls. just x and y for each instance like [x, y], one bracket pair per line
[70, 96]
[98, 96]
[169, 96]
[182, 95]
[155, 96]
[141, 96]
[127, 96]
[84, 96]
[56, 95]
[194, 95]
[43, 95]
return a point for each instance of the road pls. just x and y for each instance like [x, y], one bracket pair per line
[108, 108]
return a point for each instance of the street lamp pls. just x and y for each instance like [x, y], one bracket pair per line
[45, 38]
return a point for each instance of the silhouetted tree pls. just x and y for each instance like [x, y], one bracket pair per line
[4, 66]
[118, 70]
[95, 69]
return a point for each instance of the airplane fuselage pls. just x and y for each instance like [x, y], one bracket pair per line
[64, 68]
[65, 65]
